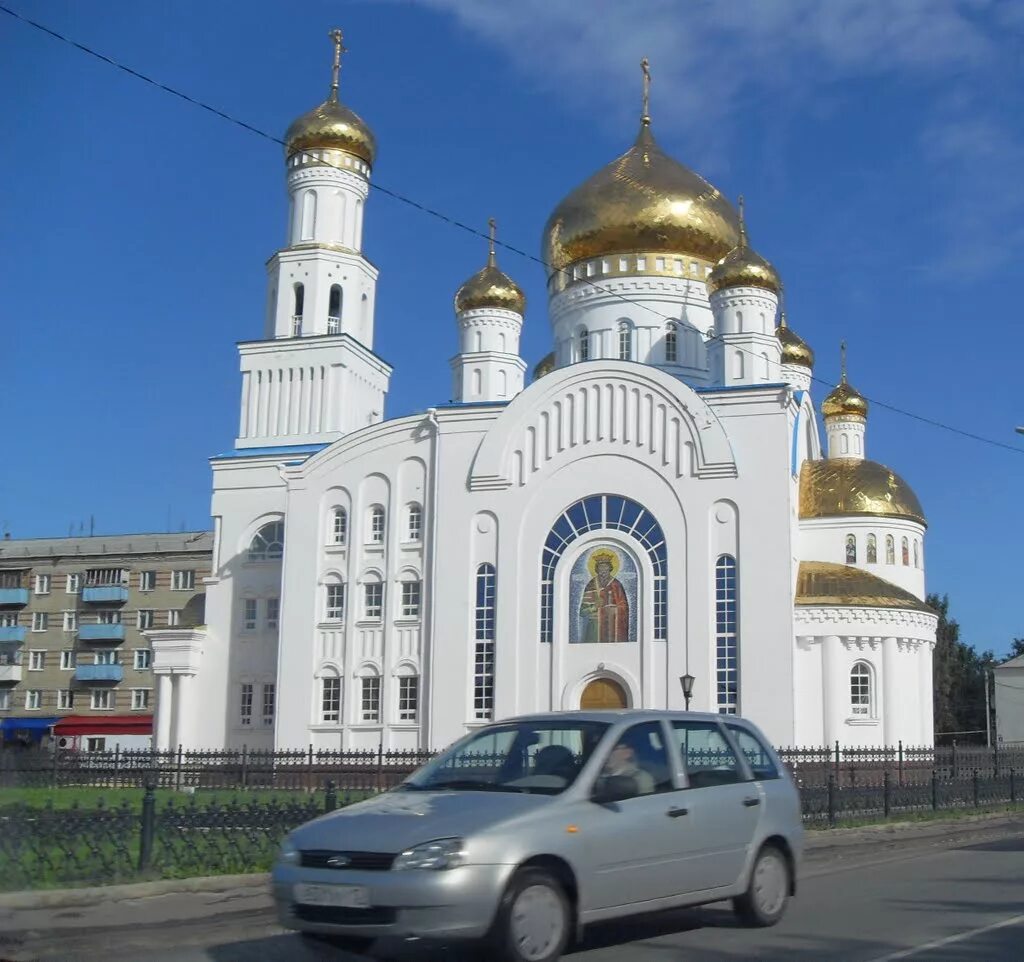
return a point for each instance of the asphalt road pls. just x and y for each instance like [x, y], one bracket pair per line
[954, 900]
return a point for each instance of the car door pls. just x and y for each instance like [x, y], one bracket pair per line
[781, 802]
[632, 847]
[723, 804]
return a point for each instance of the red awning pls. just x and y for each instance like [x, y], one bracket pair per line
[105, 725]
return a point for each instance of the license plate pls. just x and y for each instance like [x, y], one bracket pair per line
[339, 896]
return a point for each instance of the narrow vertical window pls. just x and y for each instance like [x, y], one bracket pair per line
[269, 692]
[249, 614]
[339, 526]
[300, 301]
[477, 381]
[727, 676]
[371, 699]
[584, 345]
[625, 341]
[415, 531]
[671, 344]
[334, 310]
[335, 602]
[906, 551]
[411, 591]
[502, 383]
[245, 705]
[917, 554]
[373, 600]
[330, 699]
[872, 550]
[408, 698]
[377, 525]
[483, 650]
[851, 549]
[890, 550]
[273, 613]
[308, 215]
[861, 690]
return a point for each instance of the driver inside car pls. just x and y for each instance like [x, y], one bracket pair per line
[622, 761]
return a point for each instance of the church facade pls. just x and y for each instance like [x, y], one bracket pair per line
[655, 504]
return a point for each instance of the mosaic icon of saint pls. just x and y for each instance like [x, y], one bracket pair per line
[604, 609]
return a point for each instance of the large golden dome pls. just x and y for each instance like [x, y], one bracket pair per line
[837, 487]
[743, 267]
[332, 125]
[820, 583]
[795, 350]
[642, 201]
[490, 287]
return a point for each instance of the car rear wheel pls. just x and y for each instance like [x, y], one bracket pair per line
[764, 901]
[534, 920]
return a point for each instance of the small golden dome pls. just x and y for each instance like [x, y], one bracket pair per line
[332, 125]
[743, 267]
[795, 350]
[544, 366]
[836, 487]
[490, 287]
[822, 584]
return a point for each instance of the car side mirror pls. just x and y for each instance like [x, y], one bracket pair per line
[613, 788]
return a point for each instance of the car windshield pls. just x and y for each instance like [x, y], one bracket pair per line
[539, 757]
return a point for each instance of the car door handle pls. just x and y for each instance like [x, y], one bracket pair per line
[677, 812]
[751, 802]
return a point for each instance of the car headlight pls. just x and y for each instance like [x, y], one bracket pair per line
[289, 854]
[441, 853]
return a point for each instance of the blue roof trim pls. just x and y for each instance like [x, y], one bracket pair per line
[739, 387]
[284, 450]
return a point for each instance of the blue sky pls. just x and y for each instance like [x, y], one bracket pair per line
[879, 147]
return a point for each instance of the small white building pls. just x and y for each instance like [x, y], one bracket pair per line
[654, 504]
[1008, 684]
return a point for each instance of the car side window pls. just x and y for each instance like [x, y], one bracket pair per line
[707, 755]
[640, 753]
[752, 749]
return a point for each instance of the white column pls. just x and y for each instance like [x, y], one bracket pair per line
[892, 731]
[835, 696]
[183, 715]
[922, 656]
[164, 711]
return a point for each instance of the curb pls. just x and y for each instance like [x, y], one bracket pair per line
[826, 838]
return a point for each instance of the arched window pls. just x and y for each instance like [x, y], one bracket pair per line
[502, 383]
[330, 697]
[377, 525]
[478, 341]
[765, 367]
[596, 513]
[502, 342]
[737, 364]
[364, 316]
[373, 597]
[844, 444]
[862, 690]
[872, 550]
[584, 345]
[369, 696]
[671, 344]
[483, 644]
[338, 533]
[919, 553]
[268, 543]
[414, 531]
[408, 693]
[334, 600]
[906, 551]
[308, 215]
[625, 341]
[726, 636]
[851, 549]
[334, 310]
[890, 550]
[477, 381]
[300, 302]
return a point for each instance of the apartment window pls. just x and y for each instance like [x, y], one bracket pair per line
[74, 584]
[10, 579]
[250, 614]
[70, 621]
[143, 659]
[67, 660]
[101, 699]
[269, 692]
[339, 526]
[40, 620]
[110, 617]
[8, 619]
[146, 618]
[173, 617]
[727, 672]
[330, 702]
[415, 522]
[335, 610]
[408, 698]
[147, 580]
[245, 705]
[268, 543]
[106, 656]
[411, 591]
[377, 525]
[36, 660]
[483, 650]
[861, 690]
[42, 584]
[105, 576]
[140, 699]
[183, 580]
[373, 600]
[5, 699]
[65, 699]
[95, 744]
[33, 699]
[273, 613]
[370, 702]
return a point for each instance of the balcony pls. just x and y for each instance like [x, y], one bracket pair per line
[101, 632]
[12, 634]
[89, 673]
[116, 594]
[9, 673]
[13, 596]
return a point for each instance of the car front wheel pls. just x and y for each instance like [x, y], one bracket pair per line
[764, 901]
[534, 919]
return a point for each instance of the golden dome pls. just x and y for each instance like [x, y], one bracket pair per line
[544, 366]
[795, 350]
[821, 583]
[332, 125]
[844, 401]
[743, 267]
[642, 201]
[490, 287]
[837, 487]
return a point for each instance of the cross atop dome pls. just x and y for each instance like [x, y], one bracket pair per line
[337, 37]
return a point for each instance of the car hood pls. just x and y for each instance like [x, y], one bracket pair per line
[395, 821]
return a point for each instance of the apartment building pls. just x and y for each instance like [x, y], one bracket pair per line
[75, 665]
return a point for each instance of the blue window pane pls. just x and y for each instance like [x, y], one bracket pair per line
[577, 516]
[613, 511]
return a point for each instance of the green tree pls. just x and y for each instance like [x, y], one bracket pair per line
[1016, 648]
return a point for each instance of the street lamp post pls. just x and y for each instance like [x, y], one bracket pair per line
[687, 682]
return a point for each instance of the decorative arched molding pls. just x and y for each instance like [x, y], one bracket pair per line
[406, 668]
[249, 531]
[368, 668]
[640, 408]
[328, 669]
[621, 675]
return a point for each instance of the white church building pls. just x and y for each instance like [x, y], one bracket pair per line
[655, 503]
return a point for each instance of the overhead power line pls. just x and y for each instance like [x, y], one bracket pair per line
[455, 222]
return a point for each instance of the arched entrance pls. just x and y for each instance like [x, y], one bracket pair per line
[603, 693]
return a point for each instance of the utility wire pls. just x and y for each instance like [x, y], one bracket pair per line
[454, 222]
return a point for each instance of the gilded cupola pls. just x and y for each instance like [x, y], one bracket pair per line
[490, 286]
[544, 366]
[743, 266]
[841, 487]
[844, 401]
[643, 201]
[795, 350]
[332, 125]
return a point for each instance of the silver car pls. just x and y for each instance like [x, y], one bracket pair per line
[529, 829]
